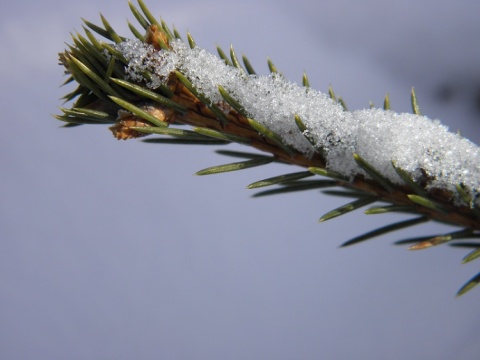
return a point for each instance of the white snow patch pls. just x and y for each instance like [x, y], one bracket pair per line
[414, 142]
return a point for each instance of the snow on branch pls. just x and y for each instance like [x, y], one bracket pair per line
[408, 161]
[420, 146]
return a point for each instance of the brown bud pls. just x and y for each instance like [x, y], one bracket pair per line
[122, 129]
[154, 36]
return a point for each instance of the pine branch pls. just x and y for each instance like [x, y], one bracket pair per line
[158, 84]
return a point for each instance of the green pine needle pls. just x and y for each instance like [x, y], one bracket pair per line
[471, 255]
[147, 13]
[408, 179]
[234, 58]
[248, 66]
[177, 34]
[386, 102]
[102, 84]
[223, 56]
[280, 179]
[430, 204]
[240, 154]
[191, 41]
[328, 173]
[469, 285]
[218, 113]
[137, 111]
[331, 93]
[231, 101]
[94, 115]
[385, 230]
[135, 32]
[78, 120]
[269, 134]
[297, 186]
[415, 107]
[187, 134]
[97, 29]
[374, 173]
[235, 166]
[141, 91]
[356, 194]
[305, 81]
[272, 67]
[342, 103]
[181, 141]
[354, 205]
[222, 136]
[166, 29]
[303, 129]
[112, 34]
[138, 15]
[390, 208]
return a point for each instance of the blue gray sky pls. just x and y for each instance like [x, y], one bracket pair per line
[114, 250]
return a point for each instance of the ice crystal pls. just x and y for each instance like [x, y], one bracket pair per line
[414, 142]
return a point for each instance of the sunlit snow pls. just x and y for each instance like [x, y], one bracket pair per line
[414, 142]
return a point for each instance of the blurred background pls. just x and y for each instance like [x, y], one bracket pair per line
[113, 250]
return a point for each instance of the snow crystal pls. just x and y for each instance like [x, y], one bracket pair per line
[414, 142]
[144, 58]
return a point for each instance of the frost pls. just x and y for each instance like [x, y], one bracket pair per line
[414, 142]
[144, 58]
